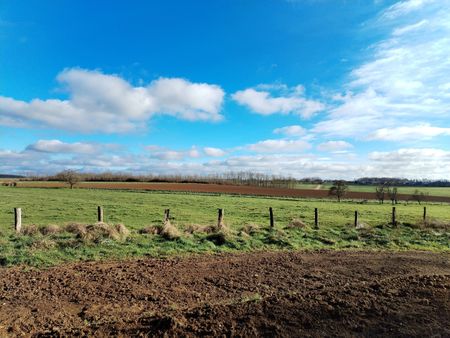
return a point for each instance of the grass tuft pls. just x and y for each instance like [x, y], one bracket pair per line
[250, 229]
[30, 230]
[150, 230]
[98, 231]
[169, 231]
[431, 223]
[296, 223]
[50, 229]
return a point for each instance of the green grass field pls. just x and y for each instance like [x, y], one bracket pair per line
[138, 209]
[432, 191]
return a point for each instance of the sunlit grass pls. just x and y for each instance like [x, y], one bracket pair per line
[138, 209]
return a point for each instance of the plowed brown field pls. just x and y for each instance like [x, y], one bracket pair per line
[258, 294]
[227, 189]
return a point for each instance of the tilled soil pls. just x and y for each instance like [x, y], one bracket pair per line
[226, 189]
[321, 293]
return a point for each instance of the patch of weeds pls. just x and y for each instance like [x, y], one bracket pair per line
[350, 236]
[218, 238]
[277, 237]
[296, 223]
[170, 232]
[250, 229]
[49, 230]
[256, 297]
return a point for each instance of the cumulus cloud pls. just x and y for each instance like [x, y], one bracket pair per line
[107, 103]
[333, 146]
[418, 163]
[214, 152]
[279, 146]
[167, 154]
[405, 162]
[293, 131]
[162, 153]
[288, 101]
[418, 132]
[56, 146]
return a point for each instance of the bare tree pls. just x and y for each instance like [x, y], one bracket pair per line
[419, 196]
[392, 193]
[338, 189]
[380, 192]
[71, 177]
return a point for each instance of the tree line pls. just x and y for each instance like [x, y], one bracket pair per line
[385, 189]
[72, 177]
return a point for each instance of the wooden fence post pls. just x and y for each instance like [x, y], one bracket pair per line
[316, 217]
[220, 218]
[17, 219]
[100, 214]
[166, 215]
[271, 217]
[356, 218]
[424, 213]
[394, 221]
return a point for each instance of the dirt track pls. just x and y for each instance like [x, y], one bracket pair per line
[228, 189]
[271, 294]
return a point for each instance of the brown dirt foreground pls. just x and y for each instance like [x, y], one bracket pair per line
[320, 293]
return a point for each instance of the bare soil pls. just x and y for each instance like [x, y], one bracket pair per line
[321, 293]
[225, 189]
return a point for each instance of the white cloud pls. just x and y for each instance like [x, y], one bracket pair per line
[404, 79]
[107, 103]
[162, 153]
[56, 146]
[290, 101]
[214, 152]
[408, 162]
[417, 163]
[280, 146]
[333, 146]
[194, 153]
[409, 28]
[294, 130]
[404, 7]
[421, 131]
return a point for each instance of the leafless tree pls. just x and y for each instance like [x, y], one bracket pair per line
[338, 189]
[71, 177]
[380, 191]
[419, 196]
[392, 193]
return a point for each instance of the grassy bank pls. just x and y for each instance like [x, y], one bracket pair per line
[246, 220]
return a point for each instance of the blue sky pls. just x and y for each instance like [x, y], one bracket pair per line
[336, 89]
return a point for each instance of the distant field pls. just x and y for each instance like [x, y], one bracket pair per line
[306, 191]
[137, 209]
[432, 191]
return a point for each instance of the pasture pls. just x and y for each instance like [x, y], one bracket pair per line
[246, 220]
